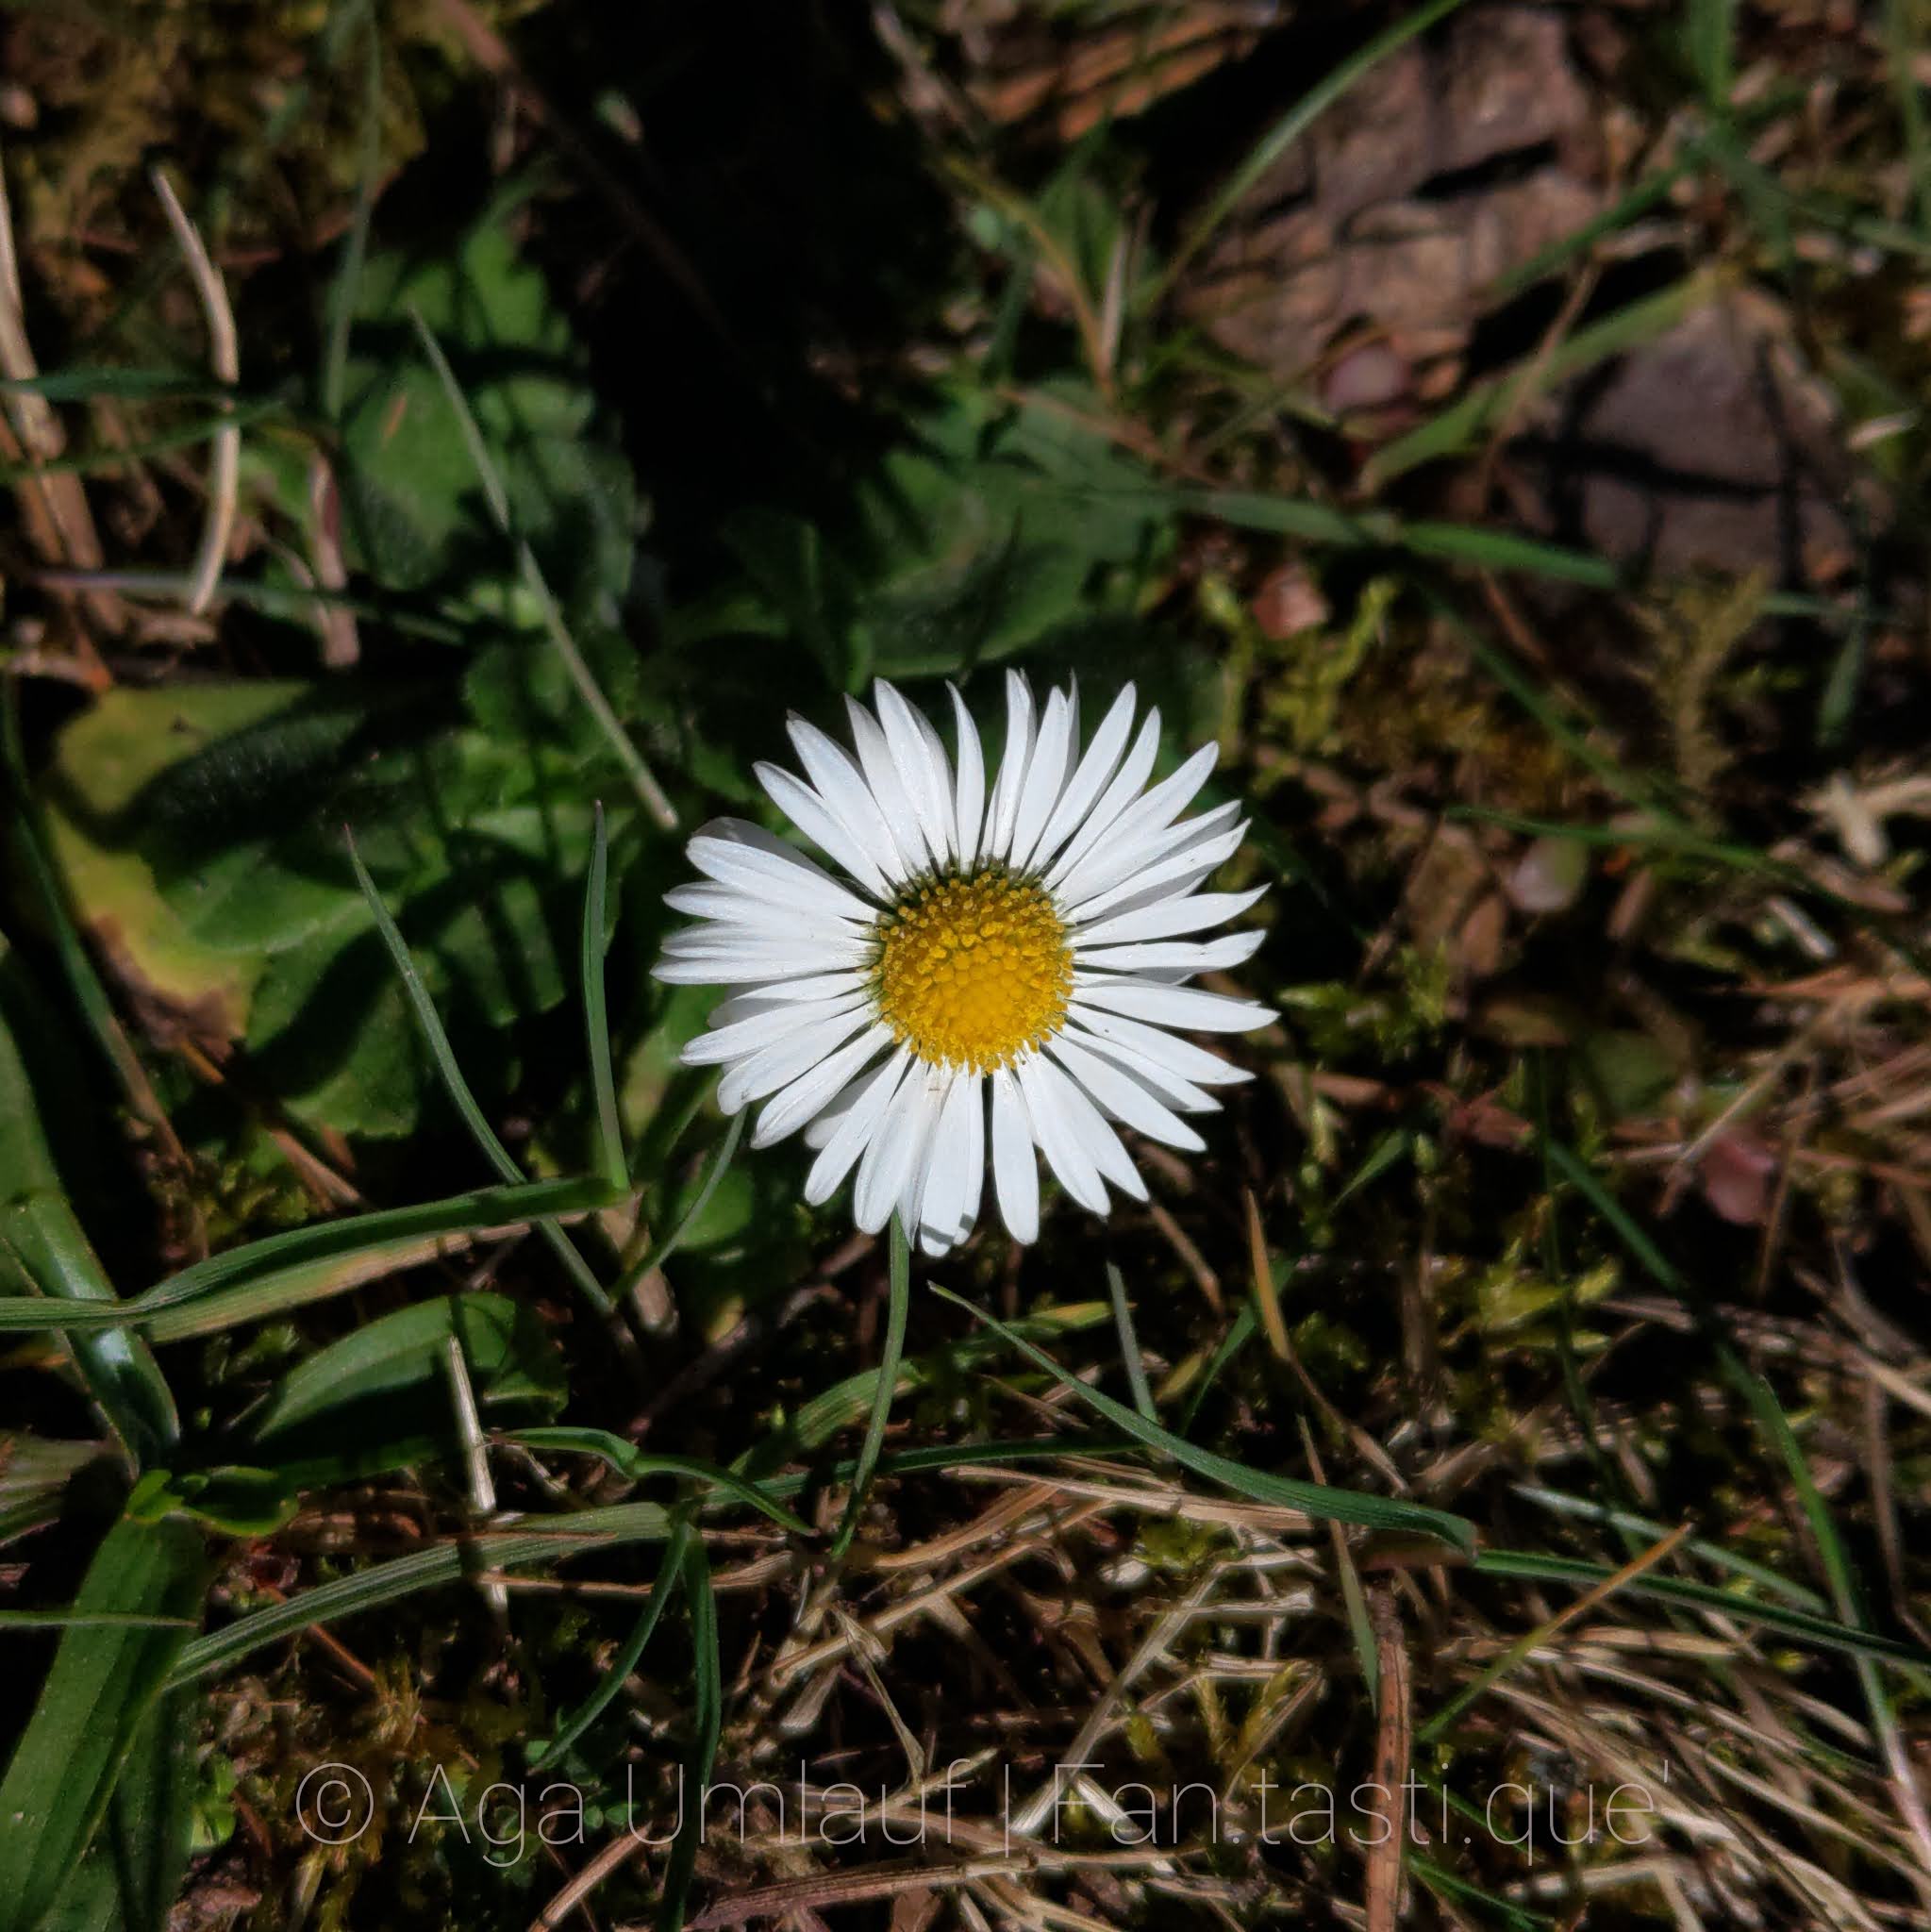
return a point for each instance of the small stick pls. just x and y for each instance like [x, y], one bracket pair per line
[224, 354]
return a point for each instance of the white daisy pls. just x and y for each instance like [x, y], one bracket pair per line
[991, 974]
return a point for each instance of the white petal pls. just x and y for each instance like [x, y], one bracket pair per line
[1181, 1056]
[889, 788]
[942, 1196]
[1124, 1098]
[1117, 798]
[816, 985]
[1083, 789]
[1157, 1076]
[1046, 773]
[831, 952]
[911, 1195]
[1142, 830]
[1046, 1088]
[735, 906]
[1015, 1169]
[862, 1119]
[1191, 1008]
[1004, 808]
[1168, 918]
[1175, 955]
[969, 802]
[921, 760]
[1147, 882]
[897, 1147]
[1097, 1140]
[847, 797]
[781, 1062]
[974, 1183]
[708, 969]
[821, 825]
[749, 860]
[814, 1090]
[747, 1036]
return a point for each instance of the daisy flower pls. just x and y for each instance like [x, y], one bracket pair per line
[987, 972]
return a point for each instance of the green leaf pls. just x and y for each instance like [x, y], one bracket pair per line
[1322, 1500]
[130, 1875]
[376, 1400]
[236, 1501]
[537, 1539]
[98, 1696]
[44, 1252]
[306, 1263]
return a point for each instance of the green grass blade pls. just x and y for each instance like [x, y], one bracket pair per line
[707, 1726]
[347, 285]
[1709, 37]
[263, 1264]
[628, 1460]
[595, 1014]
[670, 1578]
[898, 1304]
[656, 1256]
[99, 1693]
[1319, 1500]
[1129, 1345]
[429, 1023]
[1485, 405]
[1822, 1633]
[1289, 128]
[649, 792]
[376, 1585]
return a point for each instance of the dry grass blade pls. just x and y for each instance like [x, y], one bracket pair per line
[224, 357]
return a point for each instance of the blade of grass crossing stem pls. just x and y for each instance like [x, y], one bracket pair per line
[655, 1257]
[264, 1262]
[898, 1301]
[1823, 1633]
[670, 1578]
[535, 1539]
[638, 1464]
[430, 1026]
[1319, 1500]
[649, 792]
[596, 1016]
[706, 1726]
[1290, 128]
[1129, 1345]
[1531, 1641]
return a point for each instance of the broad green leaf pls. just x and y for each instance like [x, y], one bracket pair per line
[100, 1693]
[130, 1875]
[102, 760]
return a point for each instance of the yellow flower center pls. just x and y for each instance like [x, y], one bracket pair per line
[972, 971]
